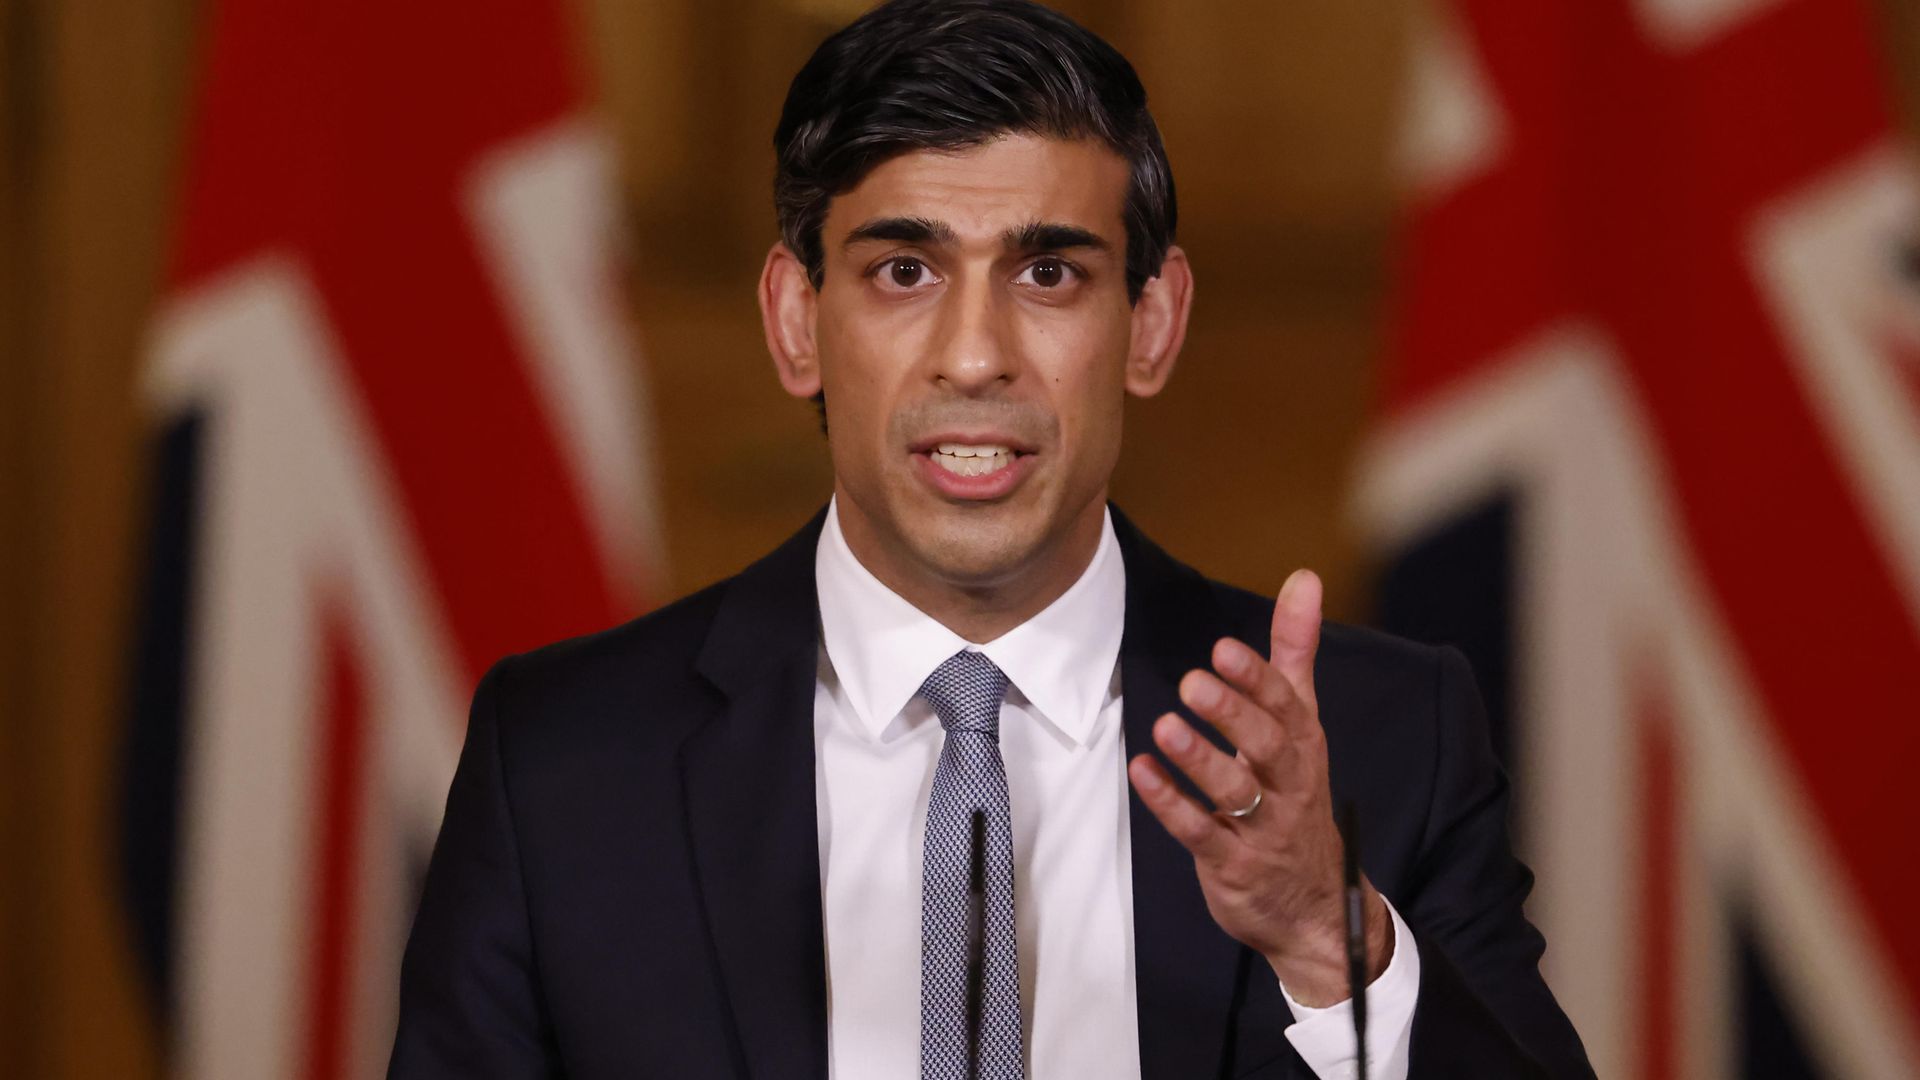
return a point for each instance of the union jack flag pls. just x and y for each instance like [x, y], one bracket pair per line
[398, 436]
[1650, 449]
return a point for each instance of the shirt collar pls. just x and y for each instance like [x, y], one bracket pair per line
[882, 648]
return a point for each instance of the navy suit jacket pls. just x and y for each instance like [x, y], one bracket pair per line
[627, 881]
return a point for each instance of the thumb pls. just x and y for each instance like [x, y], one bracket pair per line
[1296, 630]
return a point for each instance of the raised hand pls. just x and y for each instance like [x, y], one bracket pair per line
[1269, 856]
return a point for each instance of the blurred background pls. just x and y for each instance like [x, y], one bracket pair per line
[345, 347]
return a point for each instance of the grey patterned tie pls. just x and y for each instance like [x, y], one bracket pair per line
[965, 692]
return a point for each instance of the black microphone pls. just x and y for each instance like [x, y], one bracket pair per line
[976, 939]
[1356, 934]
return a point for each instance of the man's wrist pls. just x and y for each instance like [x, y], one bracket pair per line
[1314, 972]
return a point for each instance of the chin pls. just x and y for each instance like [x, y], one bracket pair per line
[966, 547]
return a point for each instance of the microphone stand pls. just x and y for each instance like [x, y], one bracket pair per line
[976, 939]
[1356, 935]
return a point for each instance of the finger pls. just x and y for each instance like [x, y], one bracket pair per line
[1230, 784]
[1260, 736]
[1296, 630]
[1248, 673]
[1198, 831]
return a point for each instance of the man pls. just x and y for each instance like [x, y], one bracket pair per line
[968, 777]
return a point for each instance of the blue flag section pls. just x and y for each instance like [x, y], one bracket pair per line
[150, 814]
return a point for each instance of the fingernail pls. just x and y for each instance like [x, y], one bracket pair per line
[1178, 738]
[1231, 657]
[1203, 695]
[1147, 779]
[1288, 587]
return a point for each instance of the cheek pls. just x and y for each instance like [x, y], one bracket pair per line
[1089, 395]
[852, 374]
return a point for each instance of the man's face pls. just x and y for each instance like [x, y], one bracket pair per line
[972, 336]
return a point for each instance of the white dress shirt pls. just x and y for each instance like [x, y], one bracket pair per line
[876, 744]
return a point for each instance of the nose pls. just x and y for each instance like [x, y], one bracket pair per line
[976, 354]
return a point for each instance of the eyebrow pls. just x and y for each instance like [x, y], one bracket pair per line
[1049, 236]
[1033, 236]
[903, 230]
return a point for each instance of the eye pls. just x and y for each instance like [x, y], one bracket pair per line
[1048, 273]
[902, 273]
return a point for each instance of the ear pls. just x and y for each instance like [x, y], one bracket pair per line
[1160, 325]
[786, 313]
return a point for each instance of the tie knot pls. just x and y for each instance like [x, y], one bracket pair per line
[965, 692]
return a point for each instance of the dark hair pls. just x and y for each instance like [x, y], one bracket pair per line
[948, 74]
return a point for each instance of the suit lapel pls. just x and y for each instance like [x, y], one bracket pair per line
[753, 827]
[749, 783]
[1185, 966]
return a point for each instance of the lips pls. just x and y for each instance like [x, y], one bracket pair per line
[970, 437]
[972, 466]
[975, 459]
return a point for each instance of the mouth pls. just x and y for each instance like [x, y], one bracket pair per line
[976, 459]
[973, 468]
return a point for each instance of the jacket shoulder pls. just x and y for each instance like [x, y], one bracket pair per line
[658, 675]
[644, 667]
[660, 641]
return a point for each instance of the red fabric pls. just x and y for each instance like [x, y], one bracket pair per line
[1630, 178]
[341, 134]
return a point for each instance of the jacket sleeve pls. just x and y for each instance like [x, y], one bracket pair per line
[469, 1000]
[1483, 1009]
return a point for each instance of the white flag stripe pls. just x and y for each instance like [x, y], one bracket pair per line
[543, 210]
[298, 514]
[1682, 25]
[1451, 127]
[1829, 263]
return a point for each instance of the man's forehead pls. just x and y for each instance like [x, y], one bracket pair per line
[980, 192]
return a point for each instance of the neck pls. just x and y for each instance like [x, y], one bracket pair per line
[983, 610]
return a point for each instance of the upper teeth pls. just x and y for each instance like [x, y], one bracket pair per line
[969, 460]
